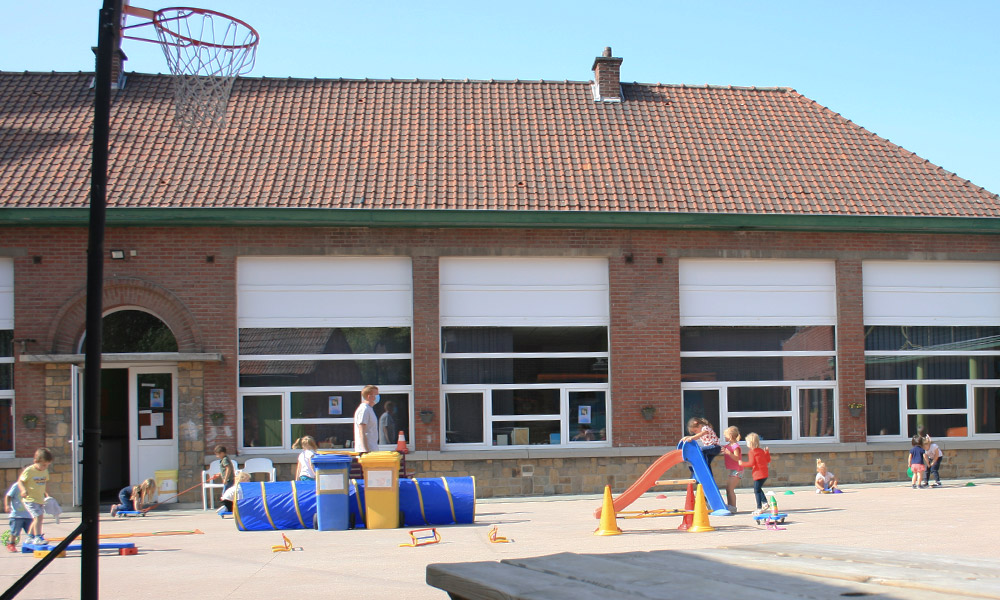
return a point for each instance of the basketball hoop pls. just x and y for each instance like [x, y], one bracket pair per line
[205, 50]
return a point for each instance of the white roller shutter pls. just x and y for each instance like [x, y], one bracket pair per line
[757, 292]
[6, 293]
[325, 292]
[524, 291]
[931, 293]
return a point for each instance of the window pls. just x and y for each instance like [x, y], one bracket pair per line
[941, 380]
[313, 331]
[6, 391]
[777, 381]
[307, 381]
[525, 386]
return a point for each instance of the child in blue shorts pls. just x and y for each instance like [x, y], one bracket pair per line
[20, 518]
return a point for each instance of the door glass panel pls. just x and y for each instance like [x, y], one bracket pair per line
[262, 421]
[155, 406]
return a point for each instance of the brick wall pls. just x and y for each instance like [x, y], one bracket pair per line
[188, 277]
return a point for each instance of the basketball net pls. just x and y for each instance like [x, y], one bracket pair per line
[205, 51]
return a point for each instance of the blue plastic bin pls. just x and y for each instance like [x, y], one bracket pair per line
[332, 510]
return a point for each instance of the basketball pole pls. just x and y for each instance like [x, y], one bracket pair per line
[107, 43]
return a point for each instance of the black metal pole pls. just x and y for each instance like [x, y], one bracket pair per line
[107, 44]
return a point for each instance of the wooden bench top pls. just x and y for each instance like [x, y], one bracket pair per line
[760, 572]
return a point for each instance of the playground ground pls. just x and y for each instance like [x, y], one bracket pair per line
[955, 520]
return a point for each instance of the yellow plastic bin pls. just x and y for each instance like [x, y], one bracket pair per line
[381, 471]
[166, 485]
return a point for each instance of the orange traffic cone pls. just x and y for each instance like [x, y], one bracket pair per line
[401, 444]
[688, 519]
[701, 513]
[609, 522]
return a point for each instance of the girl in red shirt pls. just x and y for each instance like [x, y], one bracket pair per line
[758, 462]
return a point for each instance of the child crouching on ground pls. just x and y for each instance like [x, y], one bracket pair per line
[233, 494]
[826, 481]
[933, 455]
[135, 497]
[758, 462]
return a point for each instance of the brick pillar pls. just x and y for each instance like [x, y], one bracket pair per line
[58, 423]
[190, 425]
[850, 349]
[645, 350]
[426, 352]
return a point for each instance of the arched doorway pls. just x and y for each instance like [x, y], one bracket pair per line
[138, 399]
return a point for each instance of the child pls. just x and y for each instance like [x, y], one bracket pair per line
[135, 497]
[226, 470]
[825, 480]
[233, 494]
[733, 454]
[304, 469]
[20, 519]
[758, 462]
[32, 484]
[701, 430]
[934, 456]
[917, 459]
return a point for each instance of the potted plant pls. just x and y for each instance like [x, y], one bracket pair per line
[30, 421]
[648, 412]
[855, 408]
[217, 418]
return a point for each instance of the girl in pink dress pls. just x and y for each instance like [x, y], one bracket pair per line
[733, 454]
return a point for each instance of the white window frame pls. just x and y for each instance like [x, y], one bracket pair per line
[286, 413]
[795, 387]
[900, 386]
[489, 418]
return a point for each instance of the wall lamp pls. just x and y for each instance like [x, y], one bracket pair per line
[117, 255]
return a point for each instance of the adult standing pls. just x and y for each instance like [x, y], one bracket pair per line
[387, 424]
[365, 422]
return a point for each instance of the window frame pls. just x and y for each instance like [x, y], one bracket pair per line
[8, 394]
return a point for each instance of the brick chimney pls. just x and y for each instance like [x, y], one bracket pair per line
[607, 77]
[118, 59]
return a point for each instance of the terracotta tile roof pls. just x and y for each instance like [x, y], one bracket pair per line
[511, 145]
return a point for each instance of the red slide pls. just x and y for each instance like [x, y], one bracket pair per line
[648, 480]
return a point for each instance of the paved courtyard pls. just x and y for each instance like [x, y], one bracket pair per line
[955, 520]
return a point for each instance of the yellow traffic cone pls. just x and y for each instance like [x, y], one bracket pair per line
[609, 524]
[701, 513]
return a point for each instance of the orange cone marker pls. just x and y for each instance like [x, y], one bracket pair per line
[688, 520]
[609, 521]
[401, 444]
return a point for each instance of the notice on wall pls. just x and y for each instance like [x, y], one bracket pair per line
[147, 432]
[336, 405]
[156, 398]
[583, 416]
[156, 419]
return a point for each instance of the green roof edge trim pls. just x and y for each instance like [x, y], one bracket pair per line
[325, 217]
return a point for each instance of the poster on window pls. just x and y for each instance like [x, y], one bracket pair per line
[156, 398]
[336, 405]
[584, 415]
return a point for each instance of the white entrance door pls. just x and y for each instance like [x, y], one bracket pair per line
[152, 421]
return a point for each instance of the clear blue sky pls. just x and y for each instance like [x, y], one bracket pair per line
[923, 74]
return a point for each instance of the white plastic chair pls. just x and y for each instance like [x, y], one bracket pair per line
[208, 483]
[261, 465]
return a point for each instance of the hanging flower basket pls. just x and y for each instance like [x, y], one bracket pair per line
[30, 421]
[855, 408]
[217, 418]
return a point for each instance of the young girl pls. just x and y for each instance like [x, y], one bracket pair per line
[733, 454]
[304, 469]
[825, 479]
[232, 494]
[701, 430]
[917, 460]
[135, 497]
[758, 462]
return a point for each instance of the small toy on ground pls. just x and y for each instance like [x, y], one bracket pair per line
[765, 518]
[771, 516]
[285, 546]
[496, 538]
[130, 513]
[225, 513]
[423, 540]
[41, 550]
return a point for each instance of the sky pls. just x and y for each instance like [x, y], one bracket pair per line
[925, 75]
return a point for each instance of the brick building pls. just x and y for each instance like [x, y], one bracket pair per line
[544, 278]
